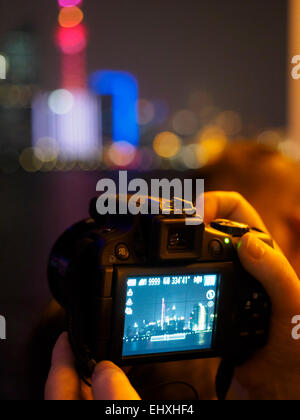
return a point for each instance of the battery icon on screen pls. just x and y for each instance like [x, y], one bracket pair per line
[131, 282]
[210, 281]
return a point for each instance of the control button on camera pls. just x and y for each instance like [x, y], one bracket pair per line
[122, 252]
[215, 248]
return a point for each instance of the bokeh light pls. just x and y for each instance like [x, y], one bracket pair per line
[122, 153]
[161, 112]
[146, 112]
[167, 144]
[270, 138]
[185, 123]
[61, 101]
[194, 156]
[46, 150]
[213, 141]
[63, 163]
[29, 161]
[48, 166]
[230, 122]
[69, 3]
[72, 40]
[290, 149]
[70, 17]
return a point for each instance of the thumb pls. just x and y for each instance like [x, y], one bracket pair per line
[110, 383]
[273, 271]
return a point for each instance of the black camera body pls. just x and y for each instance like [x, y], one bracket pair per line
[146, 288]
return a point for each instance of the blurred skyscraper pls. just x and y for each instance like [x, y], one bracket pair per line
[19, 48]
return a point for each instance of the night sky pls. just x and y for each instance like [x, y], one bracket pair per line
[235, 50]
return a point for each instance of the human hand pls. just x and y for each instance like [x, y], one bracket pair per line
[274, 371]
[108, 381]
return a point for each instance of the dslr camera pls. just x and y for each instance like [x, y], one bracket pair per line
[150, 288]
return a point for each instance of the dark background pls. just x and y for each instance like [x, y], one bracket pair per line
[236, 50]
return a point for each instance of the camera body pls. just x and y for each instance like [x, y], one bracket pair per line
[146, 288]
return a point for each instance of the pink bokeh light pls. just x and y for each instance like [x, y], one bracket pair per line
[72, 40]
[69, 3]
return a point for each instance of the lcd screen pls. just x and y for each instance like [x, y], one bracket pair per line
[170, 313]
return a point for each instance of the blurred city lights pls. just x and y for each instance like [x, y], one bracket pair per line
[122, 153]
[213, 141]
[123, 87]
[167, 144]
[72, 40]
[290, 149]
[61, 101]
[73, 123]
[146, 112]
[69, 3]
[270, 137]
[148, 159]
[20, 50]
[3, 67]
[46, 150]
[230, 122]
[29, 161]
[193, 156]
[185, 123]
[70, 17]
[161, 112]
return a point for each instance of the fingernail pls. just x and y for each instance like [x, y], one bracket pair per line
[254, 247]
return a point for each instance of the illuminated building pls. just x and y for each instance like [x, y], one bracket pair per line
[163, 313]
[70, 116]
[198, 319]
[19, 54]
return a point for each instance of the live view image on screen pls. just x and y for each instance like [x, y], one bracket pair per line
[169, 313]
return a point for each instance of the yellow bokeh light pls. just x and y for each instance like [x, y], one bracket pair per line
[213, 141]
[46, 149]
[167, 145]
[29, 161]
[70, 17]
[194, 156]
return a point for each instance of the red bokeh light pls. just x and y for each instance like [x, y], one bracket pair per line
[72, 40]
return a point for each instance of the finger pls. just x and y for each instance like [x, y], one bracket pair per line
[274, 272]
[63, 382]
[110, 383]
[232, 206]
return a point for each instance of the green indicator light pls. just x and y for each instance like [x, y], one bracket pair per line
[227, 241]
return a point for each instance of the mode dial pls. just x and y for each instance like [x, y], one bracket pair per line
[230, 228]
